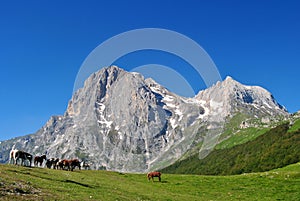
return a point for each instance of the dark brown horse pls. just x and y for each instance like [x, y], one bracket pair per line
[151, 175]
[60, 164]
[23, 156]
[39, 160]
[52, 162]
[75, 163]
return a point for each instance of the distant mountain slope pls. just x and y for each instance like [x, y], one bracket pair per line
[123, 122]
[276, 148]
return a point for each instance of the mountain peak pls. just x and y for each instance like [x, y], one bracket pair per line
[230, 81]
[231, 94]
[229, 78]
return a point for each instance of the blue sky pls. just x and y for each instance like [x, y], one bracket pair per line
[43, 44]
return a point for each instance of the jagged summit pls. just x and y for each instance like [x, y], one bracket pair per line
[120, 121]
[229, 78]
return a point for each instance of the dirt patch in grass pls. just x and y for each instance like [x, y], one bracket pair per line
[18, 191]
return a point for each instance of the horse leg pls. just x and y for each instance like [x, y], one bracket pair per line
[10, 158]
[24, 160]
[11, 161]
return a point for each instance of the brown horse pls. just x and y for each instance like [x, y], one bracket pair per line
[70, 164]
[39, 160]
[151, 175]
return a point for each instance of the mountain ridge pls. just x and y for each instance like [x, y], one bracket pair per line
[121, 121]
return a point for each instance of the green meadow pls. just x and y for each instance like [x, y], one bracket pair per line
[24, 183]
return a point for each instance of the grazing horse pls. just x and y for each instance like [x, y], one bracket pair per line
[151, 175]
[39, 160]
[23, 156]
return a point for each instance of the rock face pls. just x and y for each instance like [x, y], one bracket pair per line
[234, 95]
[122, 122]
[226, 99]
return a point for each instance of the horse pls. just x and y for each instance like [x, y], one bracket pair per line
[69, 164]
[48, 163]
[75, 163]
[85, 165]
[60, 164]
[23, 156]
[52, 163]
[151, 175]
[39, 160]
[12, 156]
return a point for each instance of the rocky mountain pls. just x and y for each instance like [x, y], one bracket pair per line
[123, 122]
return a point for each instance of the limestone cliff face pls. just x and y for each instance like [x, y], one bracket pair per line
[123, 122]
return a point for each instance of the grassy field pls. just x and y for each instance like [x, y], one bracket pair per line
[23, 183]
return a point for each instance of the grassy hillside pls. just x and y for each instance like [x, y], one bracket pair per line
[295, 126]
[276, 148]
[241, 137]
[22, 183]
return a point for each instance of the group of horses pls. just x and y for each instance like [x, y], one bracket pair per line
[65, 164]
[55, 163]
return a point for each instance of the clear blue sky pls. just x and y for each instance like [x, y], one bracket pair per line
[43, 44]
